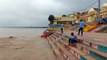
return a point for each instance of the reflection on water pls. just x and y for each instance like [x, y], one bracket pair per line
[4, 32]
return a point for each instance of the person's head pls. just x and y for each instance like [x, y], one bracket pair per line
[72, 34]
[81, 20]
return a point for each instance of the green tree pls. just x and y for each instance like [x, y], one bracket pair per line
[63, 15]
[51, 19]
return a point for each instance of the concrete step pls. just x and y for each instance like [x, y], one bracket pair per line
[65, 52]
[101, 28]
[55, 50]
[64, 37]
[79, 54]
[74, 28]
[60, 36]
[99, 55]
[96, 53]
[56, 35]
[98, 28]
[92, 51]
[102, 46]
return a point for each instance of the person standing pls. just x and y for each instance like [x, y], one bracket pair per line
[106, 18]
[62, 25]
[81, 27]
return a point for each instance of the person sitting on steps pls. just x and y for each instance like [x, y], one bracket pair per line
[73, 39]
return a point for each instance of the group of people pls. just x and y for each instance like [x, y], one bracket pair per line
[73, 39]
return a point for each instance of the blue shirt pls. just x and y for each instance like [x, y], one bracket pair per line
[82, 24]
[73, 38]
[106, 20]
[62, 25]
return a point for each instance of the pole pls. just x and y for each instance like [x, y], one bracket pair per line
[99, 17]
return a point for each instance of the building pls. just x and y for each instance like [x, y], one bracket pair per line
[104, 10]
[89, 16]
[92, 15]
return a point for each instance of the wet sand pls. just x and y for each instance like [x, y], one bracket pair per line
[28, 47]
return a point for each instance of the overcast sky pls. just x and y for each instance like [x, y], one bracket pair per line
[36, 12]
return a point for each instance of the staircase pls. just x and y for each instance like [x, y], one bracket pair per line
[87, 49]
[100, 27]
[95, 48]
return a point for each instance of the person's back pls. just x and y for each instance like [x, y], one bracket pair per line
[62, 25]
[73, 39]
[82, 24]
[106, 20]
[81, 27]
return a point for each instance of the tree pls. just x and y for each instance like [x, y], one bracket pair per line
[63, 15]
[51, 19]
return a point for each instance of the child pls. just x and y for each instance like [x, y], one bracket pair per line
[73, 39]
[62, 25]
[61, 30]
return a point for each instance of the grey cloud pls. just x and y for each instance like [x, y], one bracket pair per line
[36, 12]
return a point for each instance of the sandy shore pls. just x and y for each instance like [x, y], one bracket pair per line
[25, 48]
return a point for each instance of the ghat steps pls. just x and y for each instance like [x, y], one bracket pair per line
[88, 49]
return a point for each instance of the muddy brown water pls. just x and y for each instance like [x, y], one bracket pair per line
[26, 45]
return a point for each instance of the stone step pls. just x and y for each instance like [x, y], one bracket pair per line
[98, 28]
[99, 55]
[65, 52]
[79, 54]
[55, 50]
[102, 27]
[102, 46]
[92, 51]
[56, 35]
[64, 37]
[74, 28]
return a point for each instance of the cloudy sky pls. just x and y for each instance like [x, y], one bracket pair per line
[36, 12]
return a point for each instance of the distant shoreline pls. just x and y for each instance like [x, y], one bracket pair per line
[23, 27]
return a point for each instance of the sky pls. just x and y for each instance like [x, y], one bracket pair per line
[35, 12]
